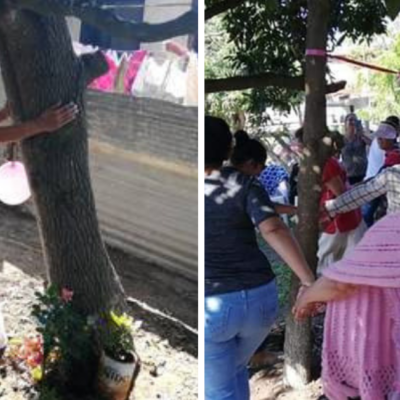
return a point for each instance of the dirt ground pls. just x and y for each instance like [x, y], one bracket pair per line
[167, 306]
[266, 381]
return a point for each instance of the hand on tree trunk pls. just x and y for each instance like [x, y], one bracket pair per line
[56, 117]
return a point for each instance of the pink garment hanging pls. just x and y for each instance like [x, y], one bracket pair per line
[361, 354]
[135, 63]
[106, 82]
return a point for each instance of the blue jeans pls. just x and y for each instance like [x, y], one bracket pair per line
[235, 326]
[369, 210]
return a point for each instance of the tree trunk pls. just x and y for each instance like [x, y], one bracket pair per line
[298, 340]
[39, 70]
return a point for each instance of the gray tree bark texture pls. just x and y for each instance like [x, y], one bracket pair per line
[39, 70]
[298, 338]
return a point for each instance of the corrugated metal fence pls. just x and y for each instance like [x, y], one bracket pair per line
[143, 156]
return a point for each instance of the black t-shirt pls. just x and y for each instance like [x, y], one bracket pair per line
[234, 205]
[293, 181]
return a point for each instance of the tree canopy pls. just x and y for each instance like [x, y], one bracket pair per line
[266, 39]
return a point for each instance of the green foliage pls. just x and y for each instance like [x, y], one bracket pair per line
[218, 52]
[47, 393]
[115, 334]
[270, 36]
[385, 87]
[393, 8]
[67, 338]
[283, 278]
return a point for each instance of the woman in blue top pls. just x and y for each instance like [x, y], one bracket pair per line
[241, 300]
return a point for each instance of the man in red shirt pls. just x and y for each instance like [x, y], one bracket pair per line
[345, 230]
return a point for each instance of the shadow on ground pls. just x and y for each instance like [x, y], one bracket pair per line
[166, 303]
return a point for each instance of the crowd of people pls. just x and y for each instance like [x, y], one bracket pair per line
[358, 273]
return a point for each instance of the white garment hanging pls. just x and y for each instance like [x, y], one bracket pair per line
[176, 82]
[151, 79]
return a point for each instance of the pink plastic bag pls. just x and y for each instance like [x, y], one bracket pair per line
[14, 186]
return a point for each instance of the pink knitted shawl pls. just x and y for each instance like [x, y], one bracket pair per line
[361, 354]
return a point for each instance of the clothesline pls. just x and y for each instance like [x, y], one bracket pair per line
[323, 53]
[142, 73]
[166, 5]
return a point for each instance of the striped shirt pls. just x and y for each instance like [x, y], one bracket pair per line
[385, 183]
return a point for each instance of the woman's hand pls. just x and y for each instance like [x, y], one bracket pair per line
[324, 218]
[56, 117]
[304, 308]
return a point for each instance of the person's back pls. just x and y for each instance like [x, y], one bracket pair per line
[361, 340]
[234, 204]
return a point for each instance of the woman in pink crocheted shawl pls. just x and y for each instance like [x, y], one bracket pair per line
[361, 351]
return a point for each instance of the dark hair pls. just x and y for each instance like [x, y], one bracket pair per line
[337, 142]
[393, 121]
[337, 139]
[299, 135]
[247, 149]
[218, 141]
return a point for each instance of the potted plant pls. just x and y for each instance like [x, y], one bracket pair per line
[67, 340]
[119, 364]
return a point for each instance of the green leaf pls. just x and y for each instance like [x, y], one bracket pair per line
[393, 8]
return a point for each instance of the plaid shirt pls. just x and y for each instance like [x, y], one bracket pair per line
[385, 183]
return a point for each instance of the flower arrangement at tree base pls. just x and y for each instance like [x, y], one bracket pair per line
[119, 364]
[78, 353]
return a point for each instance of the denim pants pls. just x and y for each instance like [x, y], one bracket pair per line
[369, 210]
[235, 326]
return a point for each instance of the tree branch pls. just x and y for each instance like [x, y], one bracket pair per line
[264, 80]
[221, 7]
[89, 12]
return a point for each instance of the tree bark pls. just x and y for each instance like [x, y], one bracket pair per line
[298, 340]
[264, 80]
[39, 70]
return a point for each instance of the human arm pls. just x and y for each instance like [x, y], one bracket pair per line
[279, 237]
[51, 120]
[322, 291]
[336, 186]
[263, 215]
[285, 209]
[358, 195]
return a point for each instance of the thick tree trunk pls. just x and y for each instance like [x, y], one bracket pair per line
[298, 340]
[40, 69]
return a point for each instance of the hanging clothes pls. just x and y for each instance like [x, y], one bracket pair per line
[150, 81]
[122, 71]
[106, 82]
[192, 97]
[176, 83]
[135, 63]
